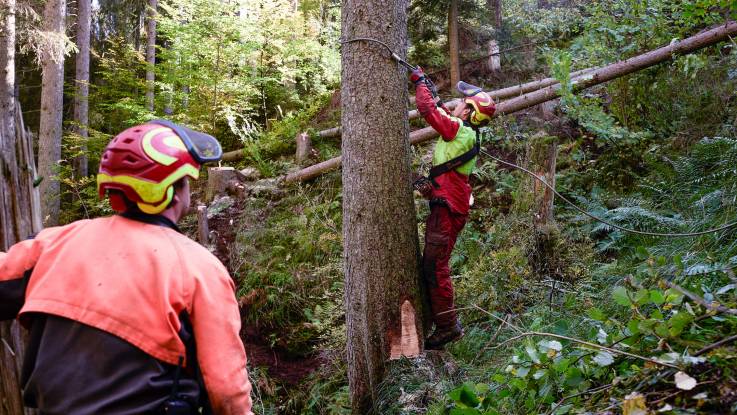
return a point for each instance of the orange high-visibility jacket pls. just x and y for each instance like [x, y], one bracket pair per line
[133, 279]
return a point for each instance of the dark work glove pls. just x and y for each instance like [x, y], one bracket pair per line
[417, 76]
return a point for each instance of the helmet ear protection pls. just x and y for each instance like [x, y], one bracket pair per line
[144, 162]
[481, 102]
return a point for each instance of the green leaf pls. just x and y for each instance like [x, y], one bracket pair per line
[621, 296]
[641, 253]
[466, 395]
[561, 365]
[679, 322]
[633, 326]
[464, 411]
[661, 329]
[642, 297]
[574, 377]
[597, 314]
[657, 297]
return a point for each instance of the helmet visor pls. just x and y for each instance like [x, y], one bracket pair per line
[467, 89]
[204, 148]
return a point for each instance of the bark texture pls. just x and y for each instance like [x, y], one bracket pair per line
[495, 6]
[586, 80]
[381, 247]
[150, 52]
[81, 82]
[10, 398]
[495, 62]
[52, 98]
[19, 209]
[453, 47]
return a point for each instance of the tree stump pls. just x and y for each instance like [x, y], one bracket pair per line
[203, 230]
[304, 148]
[218, 181]
[495, 61]
[543, 156]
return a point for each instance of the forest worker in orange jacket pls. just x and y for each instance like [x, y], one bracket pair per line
[127, 315]
[454, 158]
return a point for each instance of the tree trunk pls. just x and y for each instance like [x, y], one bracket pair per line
[150, 52]
[543, 154]
[495, 6]
[10, 397]
[82, 80]
[304, 148]
[381, 247]
[589, 79]
[19, 215]
[52, 99]
[455, 60]
[494, 64]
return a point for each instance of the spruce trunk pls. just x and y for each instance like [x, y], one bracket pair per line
[17, 207]
[52, 98]
[150, 52]
[453, 48]
[81, 82]
[380, 241]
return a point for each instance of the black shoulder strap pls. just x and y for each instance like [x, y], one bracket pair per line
[456, 162]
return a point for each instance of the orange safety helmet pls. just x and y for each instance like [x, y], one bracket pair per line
[144, 162]
[484, 107]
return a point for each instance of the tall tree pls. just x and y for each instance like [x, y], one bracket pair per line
[455, 60]
[16, 207]
[82, 80]
[495, 6]
[150, 52]
[381, 246]
[52, 98]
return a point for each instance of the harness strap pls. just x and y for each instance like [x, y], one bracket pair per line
[456, 162]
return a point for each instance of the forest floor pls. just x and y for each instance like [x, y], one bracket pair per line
[280, 364]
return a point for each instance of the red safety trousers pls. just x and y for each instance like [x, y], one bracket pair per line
[443, 227]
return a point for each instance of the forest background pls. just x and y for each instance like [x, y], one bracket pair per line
[655, 151]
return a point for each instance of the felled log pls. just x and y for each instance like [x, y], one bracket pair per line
[598, 76]
[497, 95]
[503, 93]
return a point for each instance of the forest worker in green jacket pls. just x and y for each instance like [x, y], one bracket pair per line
[449, 193]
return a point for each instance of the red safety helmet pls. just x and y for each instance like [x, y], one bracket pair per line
[144, 162]
[484, 107]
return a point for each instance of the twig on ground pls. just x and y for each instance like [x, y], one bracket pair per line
[596, 346]
[586, 392]
[504, 321]
[698, 300]
[715, 345]
[496, 334]
[666, 398]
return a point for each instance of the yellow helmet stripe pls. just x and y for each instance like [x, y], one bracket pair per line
[150, 192]
[155, 154]
[154, 209]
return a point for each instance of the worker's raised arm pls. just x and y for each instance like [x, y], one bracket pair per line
[222, 359]
[15, 270]
[438, 119]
